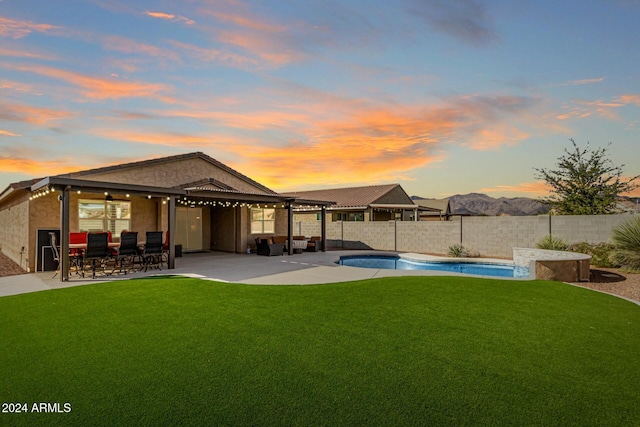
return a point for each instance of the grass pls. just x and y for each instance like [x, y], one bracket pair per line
[392, 351]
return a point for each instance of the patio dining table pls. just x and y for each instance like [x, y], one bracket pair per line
[84, 245]
[298, 246]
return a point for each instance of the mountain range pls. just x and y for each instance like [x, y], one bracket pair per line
[481, 204]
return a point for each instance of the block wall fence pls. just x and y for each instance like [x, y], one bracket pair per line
[488, 236]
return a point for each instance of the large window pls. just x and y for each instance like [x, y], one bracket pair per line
[99, 215]
[263, 221]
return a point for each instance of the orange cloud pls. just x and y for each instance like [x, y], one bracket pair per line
[336, 137]
[99, 88]
[7, 133]
[496, 137]
[18, 29]
[33, 115]
[249, 120]
[371, 146]
[169, 139]
[535, 189]
[32, 167]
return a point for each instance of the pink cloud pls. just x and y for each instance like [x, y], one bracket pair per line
[243, 20]
[125, 45]
[22, 54]
[253, 35]
[19, 29]
[629, 99]
[170, 17]
[216, 55]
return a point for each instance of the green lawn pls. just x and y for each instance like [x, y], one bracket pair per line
[393, 351]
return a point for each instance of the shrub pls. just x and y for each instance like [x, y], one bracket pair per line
[601, 253]
[626, 238]
[552, 243]
[457, 251]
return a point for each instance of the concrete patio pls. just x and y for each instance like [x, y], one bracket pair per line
[301, 269]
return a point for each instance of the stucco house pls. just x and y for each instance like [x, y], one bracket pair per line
[198, 202]
[369, 203]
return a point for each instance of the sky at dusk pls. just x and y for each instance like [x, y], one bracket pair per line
[441, 96]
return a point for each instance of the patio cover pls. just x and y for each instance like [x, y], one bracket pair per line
[216, 193]
[66, 185]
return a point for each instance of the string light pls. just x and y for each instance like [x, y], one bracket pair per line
[41, 192]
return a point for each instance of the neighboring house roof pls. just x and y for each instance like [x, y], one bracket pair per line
[441, 205]
[358, 197]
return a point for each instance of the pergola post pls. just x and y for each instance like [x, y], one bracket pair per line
[64, 234]
[289, 227]
[171, 227]
[323, 228]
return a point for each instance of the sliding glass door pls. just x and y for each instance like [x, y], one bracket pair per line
[189, 228]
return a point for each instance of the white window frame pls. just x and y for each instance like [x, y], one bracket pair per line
[259, 223]
[109, 220]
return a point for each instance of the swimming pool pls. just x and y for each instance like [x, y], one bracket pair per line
[392, 262]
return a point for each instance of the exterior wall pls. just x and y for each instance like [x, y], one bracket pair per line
[44, 212]
[14, 233]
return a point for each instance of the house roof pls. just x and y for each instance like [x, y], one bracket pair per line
[79, 179]
[351, 197]
[169, 159]
[20, 185]
[441, 205]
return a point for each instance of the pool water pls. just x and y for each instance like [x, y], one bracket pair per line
[396, 263]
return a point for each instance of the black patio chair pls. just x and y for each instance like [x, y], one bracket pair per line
[53, 241]
[97, 252]
[128, 250]
[153, 254]
[264, 247]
